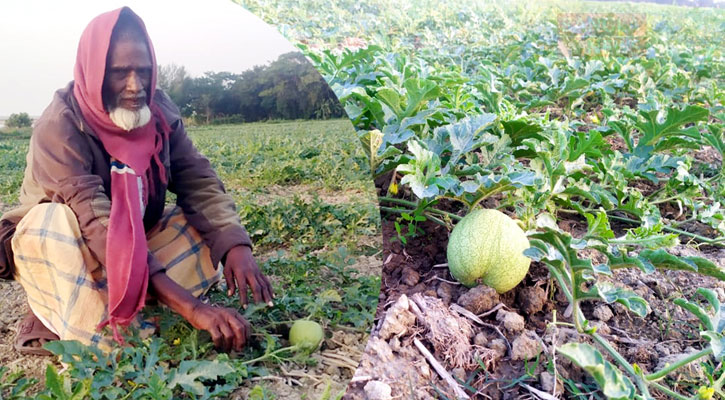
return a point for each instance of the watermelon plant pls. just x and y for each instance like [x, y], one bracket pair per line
[608, 115]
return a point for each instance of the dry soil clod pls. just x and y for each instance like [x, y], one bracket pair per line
[603, 313]
[479, 299]
[409, 276]
[526, 346]
[511, 321]
[398, 319]
[531, 299]
[377, 390]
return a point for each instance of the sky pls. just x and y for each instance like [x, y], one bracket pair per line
[39, 39]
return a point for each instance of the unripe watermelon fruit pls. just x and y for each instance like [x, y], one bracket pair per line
[488, 245]
[307, 334]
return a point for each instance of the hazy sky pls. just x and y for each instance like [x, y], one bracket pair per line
[39, 39]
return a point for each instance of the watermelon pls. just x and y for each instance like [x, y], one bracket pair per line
[307, 334]
[487, 246]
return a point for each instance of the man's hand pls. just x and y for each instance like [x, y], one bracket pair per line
[241, 271]
[228, 329]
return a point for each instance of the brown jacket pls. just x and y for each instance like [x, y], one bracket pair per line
[66, 163]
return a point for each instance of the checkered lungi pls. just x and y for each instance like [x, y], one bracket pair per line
[66, 286]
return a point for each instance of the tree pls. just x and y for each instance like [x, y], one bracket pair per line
[175, 81]
[288, 88]
[20, 120]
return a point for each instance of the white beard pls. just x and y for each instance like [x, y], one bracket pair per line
[128, 119]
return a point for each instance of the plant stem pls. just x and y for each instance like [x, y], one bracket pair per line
[577, 321]
[397, 201]
[664, 371]
[562, 284]
[642, 384]
[706, 240]
[489, 194]
[665, 200]
[436, 220]
[668, 391]
[411, 204]
[405, 210]
[680, 223]
[270, 354]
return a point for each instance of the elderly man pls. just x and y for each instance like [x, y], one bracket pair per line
[92, 239]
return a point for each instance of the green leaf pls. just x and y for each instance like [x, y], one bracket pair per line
[706, 267]
[698, 311]
[371, 143]
[394, 134]
[624, 130]
[330, 295]
[372, 106]
[598, 226]
[571, 86]
[392, 99]
[654, 132]
[717, 343]
[464, 136]
[627, 298]
[520, 129]
[157, 388]
[54, 382]
[585, 143]
[191, 372]
[715, 137]
[619, 259]
[713, 322]
[82, 389]
[613, 383]
[421, 172]
[663, 259]
[417, 92]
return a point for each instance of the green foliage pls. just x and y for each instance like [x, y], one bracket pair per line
[14, 385]
[19, 120]
[307, 225]
[258, 156]
[13, 147]
[148, 370]
[414, 87]
[477, 102]
[614, 384]
[318, 242]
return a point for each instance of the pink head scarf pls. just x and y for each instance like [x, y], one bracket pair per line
[131, 152]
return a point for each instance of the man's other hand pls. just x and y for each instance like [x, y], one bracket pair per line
[228, 329]
[241, 271]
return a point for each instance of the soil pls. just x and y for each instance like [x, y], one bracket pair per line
[513, 329]
[308, 192]
[334, 365]
[15, 307]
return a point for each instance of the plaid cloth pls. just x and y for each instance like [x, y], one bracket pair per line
[66, 286]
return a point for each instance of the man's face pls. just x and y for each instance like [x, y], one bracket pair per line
[128, 75]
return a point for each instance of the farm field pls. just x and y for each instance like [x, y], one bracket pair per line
[303, 192]
[598, 127]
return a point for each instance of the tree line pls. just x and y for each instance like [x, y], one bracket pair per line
[288, 88]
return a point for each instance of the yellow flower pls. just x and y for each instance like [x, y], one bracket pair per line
[705, 393]
[177, 342]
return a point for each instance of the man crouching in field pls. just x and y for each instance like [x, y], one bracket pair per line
[92, 239]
